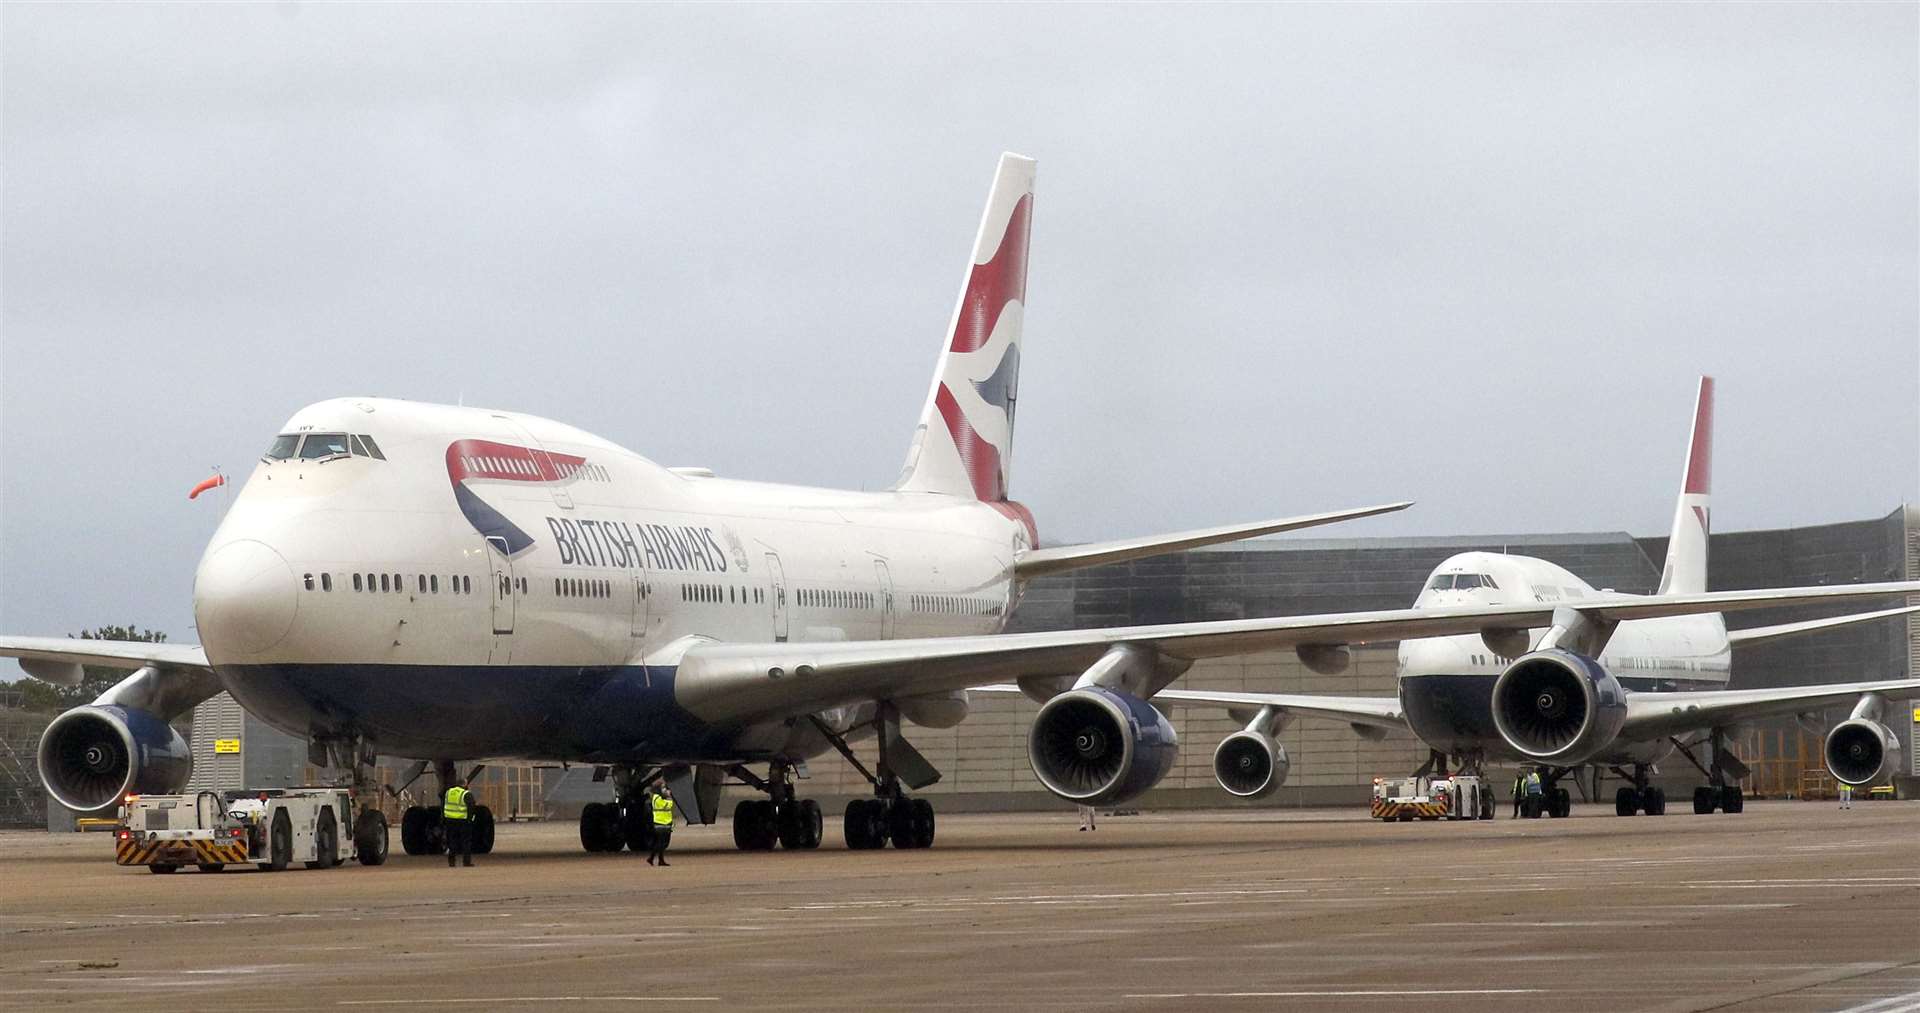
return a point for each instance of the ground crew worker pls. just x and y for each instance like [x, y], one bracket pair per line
[1535, 791]
[662, 805]
[1086, 818]
[456, 818]
[1519, 793]
[1846, 796]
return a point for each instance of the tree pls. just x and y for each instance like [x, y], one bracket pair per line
[45, 696]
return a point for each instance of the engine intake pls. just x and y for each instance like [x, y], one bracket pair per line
[1557, 705]
[1861, 751]
[1249, 764]
[92, 756]
[1097, 746]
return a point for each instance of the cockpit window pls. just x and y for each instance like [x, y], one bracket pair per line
[373, 449]
[319, 445]
[1461, 582]
[282, 448]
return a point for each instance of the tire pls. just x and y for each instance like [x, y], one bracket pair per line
[370, 837]
[636, 828]
[211, 867]
[921, 812]
[812, 824]
[413, 831]
[1626, 802]
[1656, 802]
[900, 824]
[1562, 803]
[768, 825]
[593, 820]
[854, 826]
[1732, 799]
[280, 842]
[744, 815]
[482, 831]
[162, 870]
[787, 827]
[326, 842]
[1702, 800]
[1486, 805]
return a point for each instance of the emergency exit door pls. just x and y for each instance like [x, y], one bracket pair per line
[777, 596]
[885, 578]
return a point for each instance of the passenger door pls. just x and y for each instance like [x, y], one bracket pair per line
[885, 578]
[638, 632]
[501, 566]
[777, 596]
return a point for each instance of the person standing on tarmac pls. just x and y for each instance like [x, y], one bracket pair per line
[1519, 792]
[1846, 796]
[456, 819]
[662, 804]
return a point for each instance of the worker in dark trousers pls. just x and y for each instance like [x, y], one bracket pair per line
[662, 806]
[456, 819]
[1519, 793]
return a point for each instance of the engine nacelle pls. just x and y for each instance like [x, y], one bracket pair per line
[1250, 764]
[1558, 706]
[92, 756]
[1097, 746]
[1861, 751]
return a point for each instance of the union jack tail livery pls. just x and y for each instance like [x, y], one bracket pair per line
[964, 443]
[1686, 568]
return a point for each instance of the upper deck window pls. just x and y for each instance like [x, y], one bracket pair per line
[283, 446]
[319, 446]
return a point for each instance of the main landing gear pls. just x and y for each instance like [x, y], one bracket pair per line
[626, 822]
[1640, 796]
[420, 831]
[783, 818]
[890, 815]
[1723, 770]
[1554, 801]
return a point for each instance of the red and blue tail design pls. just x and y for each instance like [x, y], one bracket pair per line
[964, 443]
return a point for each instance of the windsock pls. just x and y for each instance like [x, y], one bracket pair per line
[215, 481]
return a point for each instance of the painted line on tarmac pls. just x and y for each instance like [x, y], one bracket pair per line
[1892, 1004]
[1325, 994]
[497, 999]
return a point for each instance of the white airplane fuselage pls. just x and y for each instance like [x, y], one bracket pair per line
[497, 584]
[1446, 683]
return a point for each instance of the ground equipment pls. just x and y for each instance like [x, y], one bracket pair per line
[1461, 797]
[271, 829]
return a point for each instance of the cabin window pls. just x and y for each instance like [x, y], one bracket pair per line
[356, 582]
[383, 582]
[326, 582]
[434, 583]
[307, 579]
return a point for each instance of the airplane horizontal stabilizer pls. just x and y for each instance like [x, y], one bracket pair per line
[1040, 562]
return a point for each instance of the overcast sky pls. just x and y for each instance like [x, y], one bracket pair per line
[1285, 259]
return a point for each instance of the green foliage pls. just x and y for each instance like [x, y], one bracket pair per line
[45, 696]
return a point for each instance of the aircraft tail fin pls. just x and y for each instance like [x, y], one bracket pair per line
[963, 445]
[1686, 567]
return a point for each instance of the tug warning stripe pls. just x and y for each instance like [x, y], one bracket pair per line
[129, 851]
[1385, 810]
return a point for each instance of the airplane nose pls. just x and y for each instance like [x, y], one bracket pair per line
[244, 598]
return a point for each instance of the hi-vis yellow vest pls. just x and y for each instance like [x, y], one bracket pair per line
[662, 811]
[456, 804]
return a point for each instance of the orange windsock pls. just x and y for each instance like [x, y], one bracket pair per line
[214, 482]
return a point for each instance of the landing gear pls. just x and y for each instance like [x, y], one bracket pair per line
[1723, 770]
[783, 818]
[368, 828]
[1553, 801]
[1640, 796]
[869, 823]
[420, 831]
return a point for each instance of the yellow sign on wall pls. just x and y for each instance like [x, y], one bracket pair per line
[233, 745]
[1916, 715]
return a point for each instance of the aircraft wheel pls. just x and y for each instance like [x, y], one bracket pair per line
[1626, 802]
[483, 831]
[853, 826]
[787, 827]
[1702, 800]
[370, 837]
[600, 827]
[921, 811]
[1732, 799]
[1656, 802]
[743, 815]
[812, 824]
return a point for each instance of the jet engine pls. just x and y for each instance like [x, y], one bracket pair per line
[92, 756]
[1250, 764]
[1098, 746]
[1558, 706]
[1860, 751]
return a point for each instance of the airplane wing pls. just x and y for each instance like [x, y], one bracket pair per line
[1364, 711]
[1760, 634]
[723, 682]
[1651, 715]
[58, 659]
[1039, 562]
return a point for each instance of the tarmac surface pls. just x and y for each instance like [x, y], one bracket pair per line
[1788, 906]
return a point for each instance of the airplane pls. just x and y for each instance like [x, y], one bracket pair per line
[450, 584]
[1593, 688]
